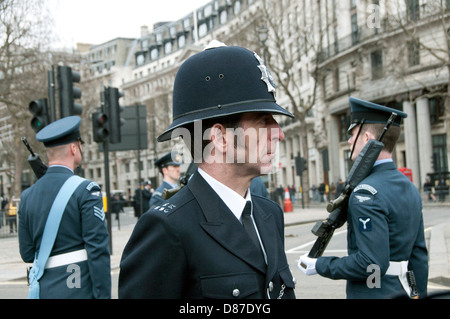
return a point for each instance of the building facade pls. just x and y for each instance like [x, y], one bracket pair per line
[360, 48]
[394, 53]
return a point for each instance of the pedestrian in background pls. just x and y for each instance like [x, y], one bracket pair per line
[169, 167]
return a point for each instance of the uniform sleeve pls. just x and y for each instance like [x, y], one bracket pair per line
[156, 198]
[370, 242]
[153, 263]
[96, 239]
[26, 246]
[418, 261]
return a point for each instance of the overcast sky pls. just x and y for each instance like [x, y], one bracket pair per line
[98, 21]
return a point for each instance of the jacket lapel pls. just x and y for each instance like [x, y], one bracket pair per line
[222, 225]
[267, 232]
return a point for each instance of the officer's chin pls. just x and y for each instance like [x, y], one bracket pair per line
[266, 168]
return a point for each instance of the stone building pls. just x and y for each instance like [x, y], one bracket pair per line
[393, 53]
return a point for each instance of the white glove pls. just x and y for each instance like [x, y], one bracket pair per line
[307, 265]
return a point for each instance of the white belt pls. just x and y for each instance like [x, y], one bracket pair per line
[66, 259]
[399, 268]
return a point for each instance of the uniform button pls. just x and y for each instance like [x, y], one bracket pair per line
[270, 286]
[236, 292]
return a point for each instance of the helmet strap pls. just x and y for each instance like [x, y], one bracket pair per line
[356, 139]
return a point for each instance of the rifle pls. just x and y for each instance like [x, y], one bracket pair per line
[167, 193]
[337, 208]
[38, 167]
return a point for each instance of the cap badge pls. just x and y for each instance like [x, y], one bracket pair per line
[266, 76]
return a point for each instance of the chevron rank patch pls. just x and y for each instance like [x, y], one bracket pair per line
[99, 212]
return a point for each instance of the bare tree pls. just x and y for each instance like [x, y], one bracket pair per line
[22, 59]
[433, 17]
[294, 34]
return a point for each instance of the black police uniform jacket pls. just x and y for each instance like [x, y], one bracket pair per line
[385, 224]
[82, 226]
[192, 246]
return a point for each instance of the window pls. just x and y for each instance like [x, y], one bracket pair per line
[413, 9]
[344, 123]
[154, 54]
[186, 24]
[224, 17]
[181, 41]
[440, 153]
[168, 47]
[413, 53]
[140, 59]
[237, 7]
[202, 30]
[336, 80]
[355, 33]
[376, 60]
[437, 109]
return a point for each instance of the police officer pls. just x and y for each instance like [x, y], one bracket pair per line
[79, 263]
[169, 167]
[203, 243]
[385, 223]
[142, 198]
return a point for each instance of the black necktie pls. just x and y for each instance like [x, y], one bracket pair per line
[249, 227]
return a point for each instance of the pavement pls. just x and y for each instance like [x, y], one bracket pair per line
[12, 268]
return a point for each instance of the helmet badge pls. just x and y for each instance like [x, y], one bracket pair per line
[265, 75]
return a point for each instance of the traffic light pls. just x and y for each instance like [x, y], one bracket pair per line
[300, 165]
[100, 126]
[115, 121]
[67, 92]
[39, 109]
[435, 163]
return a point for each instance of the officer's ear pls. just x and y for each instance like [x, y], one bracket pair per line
[368, 135]
[72, 148]
[217, 136]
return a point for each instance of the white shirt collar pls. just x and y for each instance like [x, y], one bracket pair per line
[172, 185]
[233, 200]
[386, 160]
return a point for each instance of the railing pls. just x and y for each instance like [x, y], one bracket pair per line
[8, 222]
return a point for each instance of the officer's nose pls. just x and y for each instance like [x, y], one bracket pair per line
[276, 132]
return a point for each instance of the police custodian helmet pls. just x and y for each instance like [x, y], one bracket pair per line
[220, 81]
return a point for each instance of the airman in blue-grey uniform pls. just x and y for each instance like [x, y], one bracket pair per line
[169, 167]
[79, 263]
[385, 224]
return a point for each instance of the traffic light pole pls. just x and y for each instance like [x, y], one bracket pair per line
[105, 109]
[51, 94]
[108, 193]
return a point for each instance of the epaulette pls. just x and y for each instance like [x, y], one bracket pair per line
[166, 207]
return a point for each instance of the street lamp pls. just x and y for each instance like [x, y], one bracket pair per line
[263, 34]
